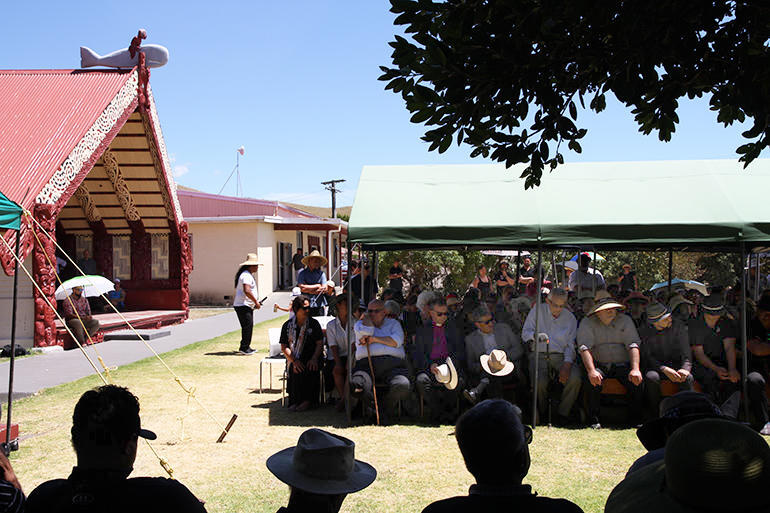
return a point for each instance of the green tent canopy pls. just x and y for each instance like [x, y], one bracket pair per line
[10, 213]
[701, 203]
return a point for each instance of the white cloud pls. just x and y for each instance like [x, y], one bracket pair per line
[181, 169]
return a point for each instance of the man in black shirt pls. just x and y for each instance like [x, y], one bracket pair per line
[396, 283]
[526, 275]
[712, 337]
[105, 432]
[759, 365]
[503, 277]
[495, 446]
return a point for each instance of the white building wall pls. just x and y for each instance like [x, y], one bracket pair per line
[25, 314]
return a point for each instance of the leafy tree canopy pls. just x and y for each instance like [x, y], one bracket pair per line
[507, 77]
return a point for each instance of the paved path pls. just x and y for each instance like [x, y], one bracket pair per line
[50, 369]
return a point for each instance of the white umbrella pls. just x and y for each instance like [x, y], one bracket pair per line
[92, 286]
[505, 252]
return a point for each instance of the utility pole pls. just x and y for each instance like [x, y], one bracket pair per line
[331, 185]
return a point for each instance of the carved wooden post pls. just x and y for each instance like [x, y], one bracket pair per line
[187, 265]
[43, 272]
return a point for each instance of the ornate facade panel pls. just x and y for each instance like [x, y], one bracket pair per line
[121, 257]
[112, 168]
[74, 162]
[160, 256]
[88, 204]
[168, 176]
[44, 274]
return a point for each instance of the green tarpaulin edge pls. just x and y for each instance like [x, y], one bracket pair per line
[10, 213]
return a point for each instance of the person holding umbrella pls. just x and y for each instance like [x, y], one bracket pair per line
[77, 309]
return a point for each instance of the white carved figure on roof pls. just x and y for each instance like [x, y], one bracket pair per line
[156, 55]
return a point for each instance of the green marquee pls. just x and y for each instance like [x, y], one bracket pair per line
[698, 203]
[10, 214]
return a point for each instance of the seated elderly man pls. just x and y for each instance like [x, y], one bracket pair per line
[435, 343]
[609, 347]
[77, 315]
[487, 337]
[385, 345]
[556, 352]
[585, 279]
[666, 353]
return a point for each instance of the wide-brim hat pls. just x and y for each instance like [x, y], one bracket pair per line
[322, 463]
[604, 301]
[713, 305]
[447, 374]
[452, 299]
[496, 363]
[251, 259]
[636, 296]
[676, 410]
[677, 300]
[711, 465]
[314, 254]
[657, 312]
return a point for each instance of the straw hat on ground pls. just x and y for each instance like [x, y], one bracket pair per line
[496, 363]
[251, 259]
[604, 301]
[314, 254]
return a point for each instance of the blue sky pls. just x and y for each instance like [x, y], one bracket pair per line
[295, 83]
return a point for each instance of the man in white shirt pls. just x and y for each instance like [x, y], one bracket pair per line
[386, 346]
[556, 352]
[585, 279]
[337, 348]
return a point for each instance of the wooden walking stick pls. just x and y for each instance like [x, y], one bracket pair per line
[374, 387]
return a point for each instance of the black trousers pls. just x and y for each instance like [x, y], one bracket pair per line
[303, 386]
[652, 379]
[719, 390]
[635, 394]
[246, 318]
[757, 400]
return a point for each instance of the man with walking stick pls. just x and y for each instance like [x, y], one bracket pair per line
[556, 352]
[384, 344]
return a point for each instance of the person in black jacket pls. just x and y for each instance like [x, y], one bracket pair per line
[495, 446]
[435, 342]
[302, 344]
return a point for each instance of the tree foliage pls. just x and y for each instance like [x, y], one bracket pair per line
[508, 78]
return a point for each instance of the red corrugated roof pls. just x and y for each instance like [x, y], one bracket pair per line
[43, 116]
[202, 204]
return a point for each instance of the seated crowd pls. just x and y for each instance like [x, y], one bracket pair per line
[432, 356]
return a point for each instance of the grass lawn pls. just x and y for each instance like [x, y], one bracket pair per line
[415, 464]
[201, 312]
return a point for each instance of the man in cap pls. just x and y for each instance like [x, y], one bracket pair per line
[681, 308]
[709, 465]
[557, 329]
[321, 470]
[388, 358]
[105, 433]
[434, 344]
[77, 315]
[712, 337]
[495, 447]
[666, 353]
[675, 411]
[609, 347]
[487, 337]
[759, 365]
[585, 279]
[312, 282]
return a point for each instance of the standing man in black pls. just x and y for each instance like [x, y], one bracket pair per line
[297, 263]
[526, 275]
[396, 283]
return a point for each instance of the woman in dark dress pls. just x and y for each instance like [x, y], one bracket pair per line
[302, 343]
[483, 282]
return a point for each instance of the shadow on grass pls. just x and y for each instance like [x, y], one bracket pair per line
[224, 353]
[319, 416]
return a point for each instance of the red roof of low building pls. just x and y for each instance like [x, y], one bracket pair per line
[44, 114]
[202, 204]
